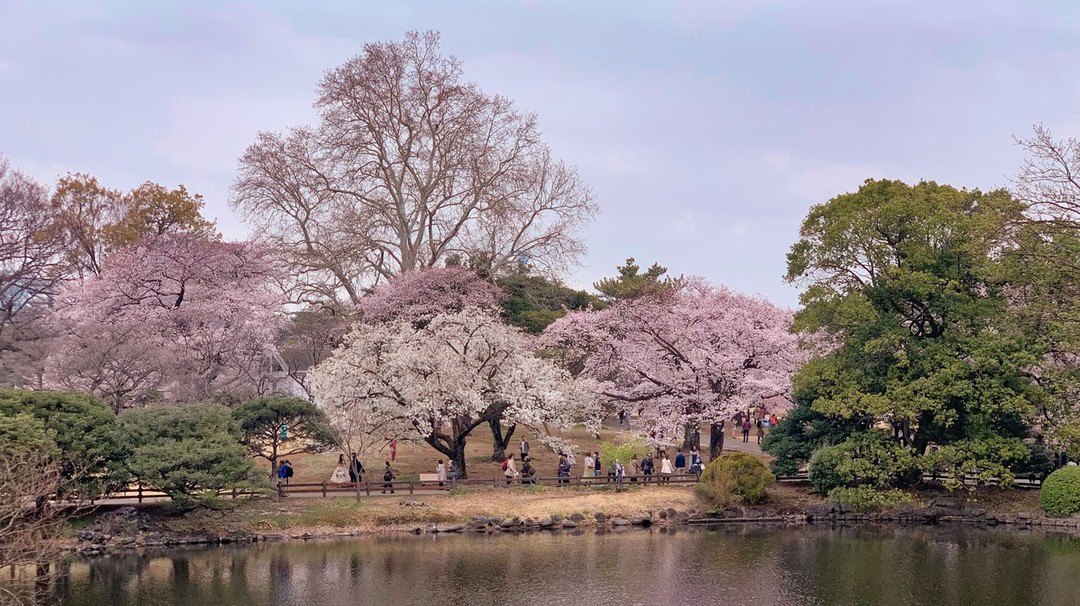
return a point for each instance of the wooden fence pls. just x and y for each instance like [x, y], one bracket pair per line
[426, 485]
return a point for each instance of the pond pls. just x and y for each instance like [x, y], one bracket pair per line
[745, 565]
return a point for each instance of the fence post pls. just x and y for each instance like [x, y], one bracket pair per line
[410, 487]
[324, 489]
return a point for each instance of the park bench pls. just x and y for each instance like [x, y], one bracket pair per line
[431, 479]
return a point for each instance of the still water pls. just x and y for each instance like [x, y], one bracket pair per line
[761, 567]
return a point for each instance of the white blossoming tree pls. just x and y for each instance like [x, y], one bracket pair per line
[438, 382]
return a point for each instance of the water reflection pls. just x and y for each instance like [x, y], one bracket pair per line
[815, 566]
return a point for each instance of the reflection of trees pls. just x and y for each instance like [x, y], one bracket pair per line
[739, 564]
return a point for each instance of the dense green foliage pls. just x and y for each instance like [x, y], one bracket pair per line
[84, 431]
[908, 283]
[23, 433]
[533, 302]
[1060, 494]
[735, 478]
[188, 452]
[800, 433]
[261, 419]
[631, 283]
[870, 459]
[866, 499]
[623, 450]
[989, 460]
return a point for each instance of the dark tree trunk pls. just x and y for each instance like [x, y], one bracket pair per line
[499, 441]
[716, 440]
[692, 437]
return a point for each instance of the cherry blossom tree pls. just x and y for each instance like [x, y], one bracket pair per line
[191, 317]
[693, 355]
[408, 166]
[438, 382]
[420, 295]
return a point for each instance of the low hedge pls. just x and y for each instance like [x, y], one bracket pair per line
[1060, 493]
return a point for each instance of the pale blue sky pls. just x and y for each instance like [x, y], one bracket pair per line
[706, 129]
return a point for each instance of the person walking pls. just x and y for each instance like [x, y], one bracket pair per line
[393, 451]
[509, 470]
[633, 469]
[647, 468]
[746, 430]
[760, 431]
[523, 448]
[283, 472]
[597, 468]
[356, 469]
[440, 472]
[451, 470]
[665, 469]
[620, 472]
[339, 476]
[590, 470]
[680, 462]
[388, 478]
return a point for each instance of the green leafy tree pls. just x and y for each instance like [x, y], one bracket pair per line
[803, 431]
[91, 459]
[188, 452]
[869, 458]
[262, 420]
[631, 283]
[905, 281]
[533, 302]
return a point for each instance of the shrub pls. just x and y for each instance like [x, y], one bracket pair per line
[870, 459]
[800, 434]
[627, 447]
[188, 452]
[735, 478]
[988, 461]
[1060, 494]
[824, 469]
[865, 499]
[83, 430]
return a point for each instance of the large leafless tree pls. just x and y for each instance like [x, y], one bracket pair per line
[29, 248]
[407, 166]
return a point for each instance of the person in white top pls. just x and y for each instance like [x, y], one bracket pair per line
[440, 472]
[509, 470]
[590, 467]
[665, 469]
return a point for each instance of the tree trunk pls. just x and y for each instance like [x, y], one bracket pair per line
[454, 449]
[500, 442]
[691, 437]
[716, 440]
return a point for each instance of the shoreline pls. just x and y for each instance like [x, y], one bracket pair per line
[129, 528]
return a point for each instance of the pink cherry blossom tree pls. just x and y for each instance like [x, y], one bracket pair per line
[438, 382]
[189, 317]
[420, 295]
[693, 355]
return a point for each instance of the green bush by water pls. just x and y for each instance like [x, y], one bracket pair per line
[1060, 494]
[735, 478]
[870, 459]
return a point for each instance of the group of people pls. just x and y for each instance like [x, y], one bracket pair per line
[755, 421]
[593, 467]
